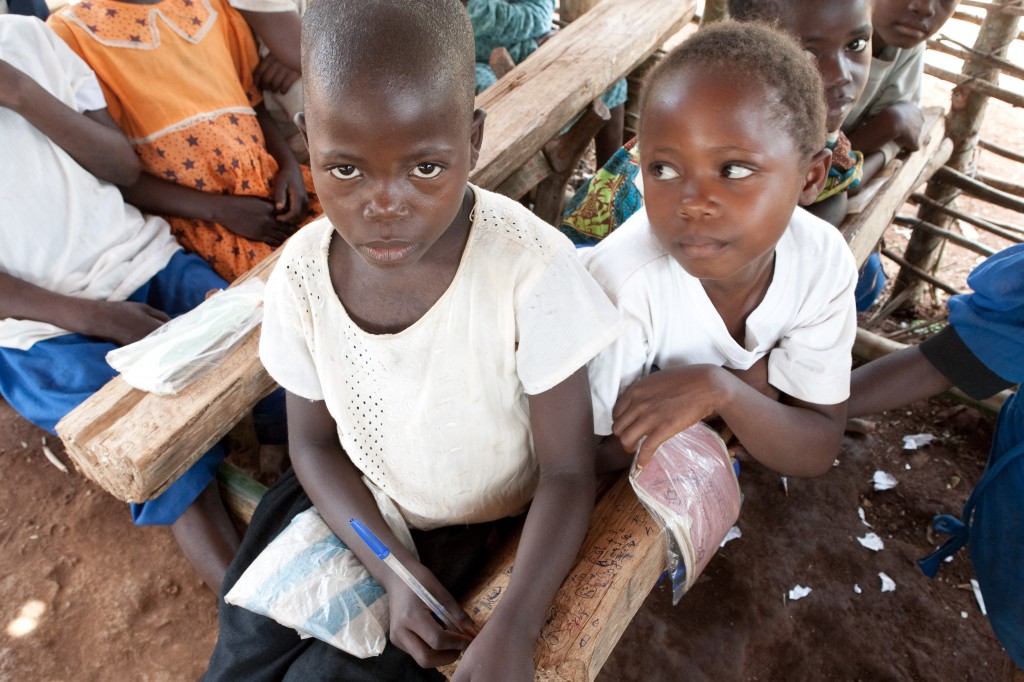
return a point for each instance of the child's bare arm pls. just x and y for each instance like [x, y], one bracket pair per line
[92, 139]
[290, 198]
[893, 381]
[280, 32]
[556, 524]
[334, 485]
[250, 217]
[790, 436]
[121, 322]
[831, 210]
[900, 122]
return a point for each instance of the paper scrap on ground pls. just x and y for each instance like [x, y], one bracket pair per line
[785, 484]
[799, 592]
[884, 481]
[856, 589]
[917, 440]
[872, 541]
[732, 534]
[977, 595]
[887, 583]
[863, 519]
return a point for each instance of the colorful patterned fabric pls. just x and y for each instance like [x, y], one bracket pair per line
[177, 77]
[846, 170]
[605, 201]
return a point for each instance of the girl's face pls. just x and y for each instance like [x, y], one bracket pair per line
[838, 34]
[390, 169]
[908, 23]
[722, 176]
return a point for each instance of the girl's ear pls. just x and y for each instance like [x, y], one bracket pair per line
[817, 174]
[476, 136]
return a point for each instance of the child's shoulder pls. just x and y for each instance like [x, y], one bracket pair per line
[307, 245]
[815, 249]
[628, 254]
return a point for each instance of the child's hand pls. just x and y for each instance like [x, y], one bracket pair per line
[272, 75]
[121, 322]
[253, 218]
[291, 202]
[494, 656]
[907, 124]
[414, 629]
[665, 403]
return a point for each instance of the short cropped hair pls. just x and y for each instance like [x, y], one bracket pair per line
[389, 44]
[755, 50]
[755, 10]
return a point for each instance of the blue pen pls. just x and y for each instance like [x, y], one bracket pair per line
[385, 555]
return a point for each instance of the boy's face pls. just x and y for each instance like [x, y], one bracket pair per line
[391, 168]
[908, 23]
[721, 175]
[838, 34]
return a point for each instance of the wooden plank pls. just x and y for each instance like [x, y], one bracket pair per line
[135, 444]
[620, 560]
[863, 230]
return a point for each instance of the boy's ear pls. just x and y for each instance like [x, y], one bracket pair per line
[476, 136]
[300, 123]
[817, 174]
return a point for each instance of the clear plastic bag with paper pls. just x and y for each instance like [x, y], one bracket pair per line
[690, 489]
[183, 350]
[309, 580]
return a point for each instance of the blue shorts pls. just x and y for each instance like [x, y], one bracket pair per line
[55, 375]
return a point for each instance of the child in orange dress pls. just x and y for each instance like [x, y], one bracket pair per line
[178, 79]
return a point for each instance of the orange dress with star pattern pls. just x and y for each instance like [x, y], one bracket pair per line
[177, 76]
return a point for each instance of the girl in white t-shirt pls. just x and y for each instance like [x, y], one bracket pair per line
[743, 301]
[432, 338]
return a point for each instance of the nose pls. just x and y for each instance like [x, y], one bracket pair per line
[835, 71]
[384, 202]
[923, 8]
[695, 201]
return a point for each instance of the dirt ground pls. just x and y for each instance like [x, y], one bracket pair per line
[86, 596]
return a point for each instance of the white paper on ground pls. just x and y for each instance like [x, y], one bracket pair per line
[798, 592]
[872, 541]
[887, 583]
[917, 440]
[884, 481]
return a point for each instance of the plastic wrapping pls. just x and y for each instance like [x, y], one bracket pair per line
[309, 580]
[183, 350]
[690, 489]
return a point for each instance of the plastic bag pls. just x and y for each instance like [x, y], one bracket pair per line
[183, 350]
[690, 489]
[309, 580]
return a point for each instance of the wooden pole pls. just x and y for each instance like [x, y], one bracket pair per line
[981, 223]
[1001, 151]
[967, 110]
[979, 189]
[954, 237]
[976, 20]
[982, 86]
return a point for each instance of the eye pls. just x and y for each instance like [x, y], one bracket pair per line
[661, 171]
[736, 172]
[858, 45]
[427, 170]
[345, 172]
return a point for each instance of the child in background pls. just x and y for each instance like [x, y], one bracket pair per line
[979, 353]
[520, 26]
[741, 299]
[432, 337]
[178, 78]
[81, 272]
[28, 8]
[888, 116]
[277, 24]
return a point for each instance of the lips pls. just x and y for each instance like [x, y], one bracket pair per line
[912, 29]
[700, 247]
[387, 252]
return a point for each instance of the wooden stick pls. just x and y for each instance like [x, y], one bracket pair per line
[976, 20]
[869, 346]
[981, 86]
[1001, 151]
[955, 237]
[921, 274]
[1000, 184]
[1005, 233]
[958, 49]
[979, 189]
[1015, 10]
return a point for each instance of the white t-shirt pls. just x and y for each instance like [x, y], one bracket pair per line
[806, 322]
[62, 228]
[895, 76]
[436, 415]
